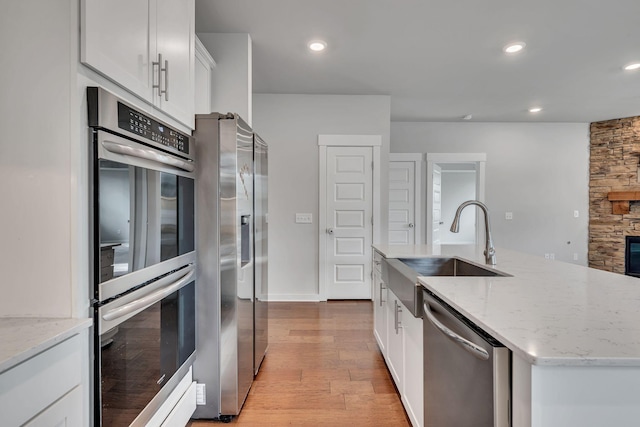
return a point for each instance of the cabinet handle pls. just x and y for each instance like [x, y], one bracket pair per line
[166, 80]
[161, 70]
[397, 311]
[159, 75]
[382, 288]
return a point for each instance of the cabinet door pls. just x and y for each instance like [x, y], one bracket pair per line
[67, 411]
[118, 41]
[379, 308]
[413, 367]
[202, 79]
[176, 43]
[395, 347]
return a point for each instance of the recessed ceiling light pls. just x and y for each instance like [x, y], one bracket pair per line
[317, 45]
[535, 109]
[514, 47]
[634, 66]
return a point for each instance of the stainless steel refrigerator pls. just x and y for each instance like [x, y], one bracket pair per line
[261, 215]
[231, 285]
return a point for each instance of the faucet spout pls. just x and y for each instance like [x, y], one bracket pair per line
[489, 251]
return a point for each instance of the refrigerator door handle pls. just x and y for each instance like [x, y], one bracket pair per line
[148, 300]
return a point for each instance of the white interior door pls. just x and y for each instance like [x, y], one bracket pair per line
[436, 207]
[349, 184]
[402, 203]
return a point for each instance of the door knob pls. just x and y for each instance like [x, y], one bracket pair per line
[410, 225]
[329, 230]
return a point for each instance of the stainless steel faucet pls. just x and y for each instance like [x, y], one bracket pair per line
[489, 251]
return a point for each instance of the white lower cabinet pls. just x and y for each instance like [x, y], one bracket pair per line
[413, 393]
[404, 356]
[379, 305]
[63, 412]
[395, 340]
[45, 390]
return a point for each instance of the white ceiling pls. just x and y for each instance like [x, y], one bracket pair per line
[440, 60]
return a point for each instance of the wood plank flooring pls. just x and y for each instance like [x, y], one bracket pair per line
[323, 367]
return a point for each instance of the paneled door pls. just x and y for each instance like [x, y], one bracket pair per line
[405, 198]
[349, 184]
[401, 203]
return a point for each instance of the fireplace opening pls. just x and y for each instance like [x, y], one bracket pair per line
[632, 256]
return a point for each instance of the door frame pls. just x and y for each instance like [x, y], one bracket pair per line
[325, 141]
[480, 159]
[419, 178]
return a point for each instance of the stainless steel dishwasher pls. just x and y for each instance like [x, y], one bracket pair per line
[466, 372]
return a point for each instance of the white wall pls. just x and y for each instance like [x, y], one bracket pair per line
[36, 116]
[231, 83]
[458, 187]
[291, 124]
[538, 171]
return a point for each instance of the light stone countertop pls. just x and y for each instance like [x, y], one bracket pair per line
[549, 312]
[22, 337]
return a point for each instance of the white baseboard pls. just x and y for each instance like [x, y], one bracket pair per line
[294, 298]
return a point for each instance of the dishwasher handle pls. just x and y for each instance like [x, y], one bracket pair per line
[472, 348]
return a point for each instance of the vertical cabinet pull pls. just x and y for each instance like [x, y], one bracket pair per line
[397, 311]
[382, 288]
[161, 70]
[166, 80]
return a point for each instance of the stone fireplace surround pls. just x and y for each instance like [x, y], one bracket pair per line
[613, 172]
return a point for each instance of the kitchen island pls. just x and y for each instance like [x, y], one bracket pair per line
[574, 333]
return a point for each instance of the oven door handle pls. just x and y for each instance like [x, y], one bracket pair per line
[472, 348]
[148, 154]
[148, 300]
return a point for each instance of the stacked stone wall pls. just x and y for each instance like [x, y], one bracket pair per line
[613, 166]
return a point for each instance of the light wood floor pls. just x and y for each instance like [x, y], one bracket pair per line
[323, 367]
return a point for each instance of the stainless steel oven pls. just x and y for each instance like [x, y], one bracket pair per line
[142, 208]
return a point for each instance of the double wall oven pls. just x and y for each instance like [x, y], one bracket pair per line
[143, 240]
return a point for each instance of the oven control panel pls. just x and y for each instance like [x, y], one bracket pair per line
[146, 127]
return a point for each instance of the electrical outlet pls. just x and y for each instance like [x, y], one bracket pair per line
[575, 256]
[304, 218]
[546, 256]
[201, 394]
[508, 215]
[552, 256]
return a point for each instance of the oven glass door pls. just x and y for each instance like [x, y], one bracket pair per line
[145, 217]
[139, 355]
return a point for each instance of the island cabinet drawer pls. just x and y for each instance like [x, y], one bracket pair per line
[35, 384]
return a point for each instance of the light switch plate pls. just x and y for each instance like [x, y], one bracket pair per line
[304, 218]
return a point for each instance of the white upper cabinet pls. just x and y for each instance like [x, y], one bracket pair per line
[145, 46]
[203, 73]
[176, 43]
